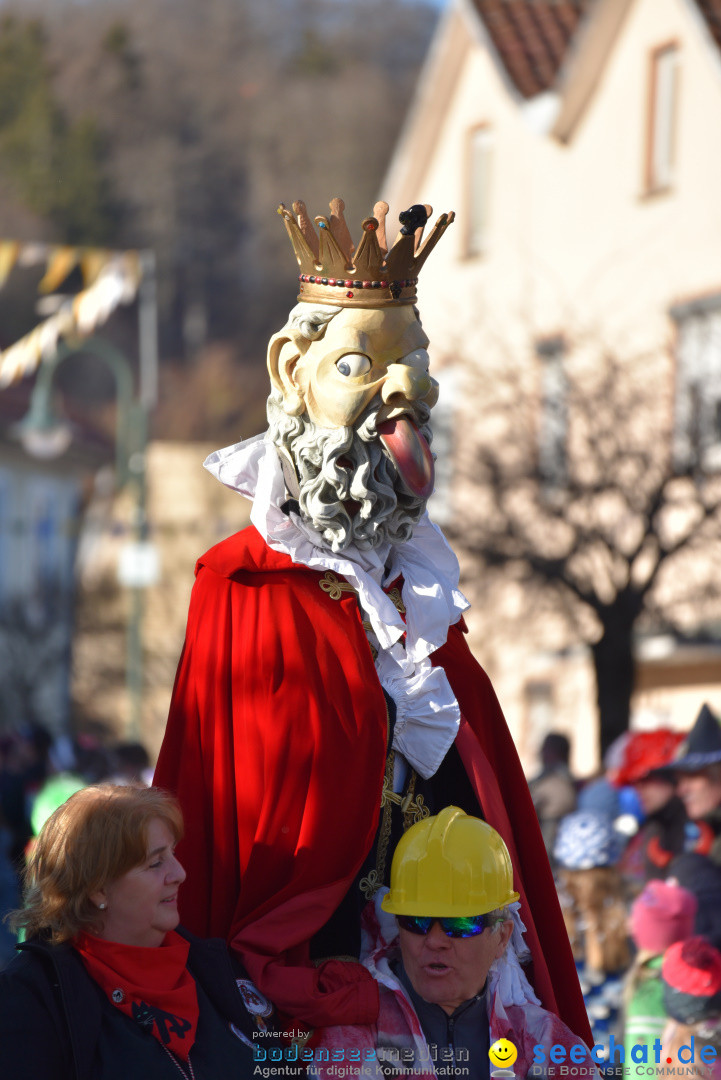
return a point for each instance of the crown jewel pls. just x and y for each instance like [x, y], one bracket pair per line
[334, 271]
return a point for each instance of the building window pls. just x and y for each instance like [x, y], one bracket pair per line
[480, 154]
[663, 110]
[697, 427]
[553, 418]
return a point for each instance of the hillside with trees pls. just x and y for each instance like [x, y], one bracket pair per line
[180, 126]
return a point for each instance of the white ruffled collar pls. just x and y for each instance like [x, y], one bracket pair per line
[427, 712]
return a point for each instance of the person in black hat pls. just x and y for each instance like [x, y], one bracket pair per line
[698, 765]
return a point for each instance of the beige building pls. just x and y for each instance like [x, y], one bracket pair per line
[188, 511]
[580, 146]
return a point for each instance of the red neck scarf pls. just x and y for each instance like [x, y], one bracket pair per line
[150, 985]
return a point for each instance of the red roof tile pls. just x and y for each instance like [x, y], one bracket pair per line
[711, 10]
[531, 37]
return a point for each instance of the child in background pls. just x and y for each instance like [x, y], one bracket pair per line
[591, 892]
[691, 973]
[662, 915]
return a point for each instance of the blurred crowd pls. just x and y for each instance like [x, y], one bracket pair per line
[636, 853]
[37, 774]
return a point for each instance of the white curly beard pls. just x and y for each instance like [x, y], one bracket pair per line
[385, 510]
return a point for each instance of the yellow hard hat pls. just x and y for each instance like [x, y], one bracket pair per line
[450, 864]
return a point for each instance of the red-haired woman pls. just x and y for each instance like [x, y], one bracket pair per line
[105, 986]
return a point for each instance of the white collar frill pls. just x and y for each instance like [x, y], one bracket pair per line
[427, 712]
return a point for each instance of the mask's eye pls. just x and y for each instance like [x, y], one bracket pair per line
[353, 364]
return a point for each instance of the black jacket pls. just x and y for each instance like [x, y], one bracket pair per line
[51, 1011]
[664, 835]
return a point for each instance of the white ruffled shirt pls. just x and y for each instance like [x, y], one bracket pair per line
[427, 713]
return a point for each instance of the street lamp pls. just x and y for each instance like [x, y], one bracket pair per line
[44, 435]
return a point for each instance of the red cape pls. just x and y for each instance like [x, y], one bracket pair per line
[276, 745]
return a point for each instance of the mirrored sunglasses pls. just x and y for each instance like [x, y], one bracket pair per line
[461, 926]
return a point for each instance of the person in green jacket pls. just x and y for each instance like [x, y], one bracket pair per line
[662, 915]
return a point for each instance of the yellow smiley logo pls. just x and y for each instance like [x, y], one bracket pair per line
[503, 1053]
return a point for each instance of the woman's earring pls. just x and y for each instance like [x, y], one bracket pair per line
[102, 906]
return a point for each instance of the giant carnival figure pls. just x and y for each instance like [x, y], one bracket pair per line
[326, 698]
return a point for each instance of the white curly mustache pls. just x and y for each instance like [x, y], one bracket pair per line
[348, 464]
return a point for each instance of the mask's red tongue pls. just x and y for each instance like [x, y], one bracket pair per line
[410, 454]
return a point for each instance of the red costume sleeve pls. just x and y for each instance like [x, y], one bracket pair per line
[275, 746]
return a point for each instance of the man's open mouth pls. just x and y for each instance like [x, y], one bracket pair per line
[410, 453]
[436, 969]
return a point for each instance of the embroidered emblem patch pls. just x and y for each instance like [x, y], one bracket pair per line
[253, 1000]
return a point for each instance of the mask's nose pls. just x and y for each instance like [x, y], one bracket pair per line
[408, 379]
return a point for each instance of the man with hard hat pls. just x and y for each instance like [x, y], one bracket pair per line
[454, 997]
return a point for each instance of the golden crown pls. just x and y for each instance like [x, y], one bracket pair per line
[334, 271]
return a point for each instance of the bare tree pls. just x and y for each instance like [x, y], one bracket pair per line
[580, 490]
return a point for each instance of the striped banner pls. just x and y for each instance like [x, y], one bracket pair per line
[110, 278]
